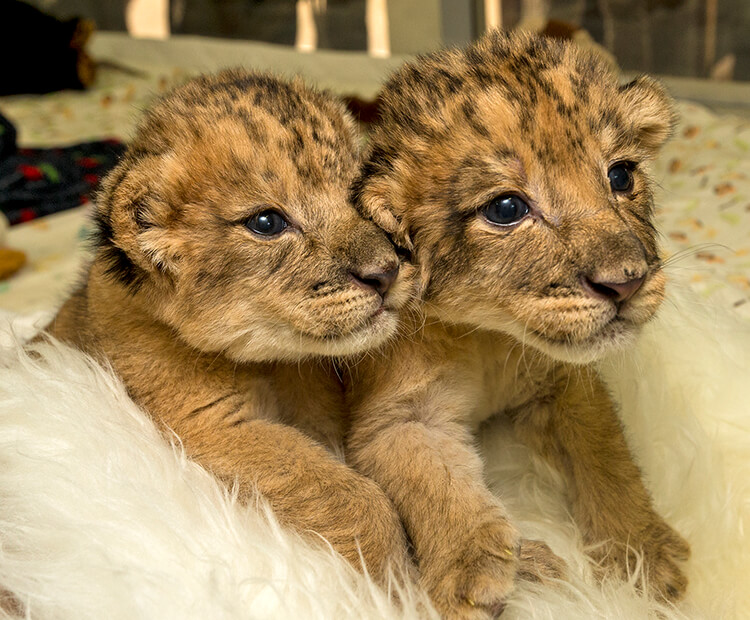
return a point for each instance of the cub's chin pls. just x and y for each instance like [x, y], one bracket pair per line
[586, 334]
[616, 335]
[373, 333]
[286, 343]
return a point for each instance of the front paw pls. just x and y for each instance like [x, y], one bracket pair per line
[472, 579]
[538, 563]
[368, 533]
[662, 550]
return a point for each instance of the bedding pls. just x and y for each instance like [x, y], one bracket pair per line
[106, 519]
[101, 518]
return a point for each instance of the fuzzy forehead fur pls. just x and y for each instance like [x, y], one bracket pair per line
[546, 97]
[280, 116]
[207, 130]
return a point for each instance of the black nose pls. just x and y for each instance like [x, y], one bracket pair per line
[381, 281]
[616, 291]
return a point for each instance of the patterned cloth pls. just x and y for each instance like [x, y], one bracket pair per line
[37, 182]
[704, 204]
[112, 108]
[49, 178]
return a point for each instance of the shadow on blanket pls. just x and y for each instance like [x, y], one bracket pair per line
[100, 517]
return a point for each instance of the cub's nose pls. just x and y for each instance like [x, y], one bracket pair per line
[375, 279]
[616, 291]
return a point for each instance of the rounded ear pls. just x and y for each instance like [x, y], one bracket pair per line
[650, 111]
[131, 220]
[375, 208]
[372, 195]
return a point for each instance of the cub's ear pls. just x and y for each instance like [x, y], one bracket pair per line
[650, 112]
[372, 195]
[132, 218]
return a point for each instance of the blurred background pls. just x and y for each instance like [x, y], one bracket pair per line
[698, 38]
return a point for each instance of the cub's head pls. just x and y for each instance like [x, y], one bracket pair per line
[229, 220]
[515, 170]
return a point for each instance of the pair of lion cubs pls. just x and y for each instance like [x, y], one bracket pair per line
[233, 276]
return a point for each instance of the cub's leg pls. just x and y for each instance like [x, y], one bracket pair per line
[466, 548]
[581, 434]
[305, 485]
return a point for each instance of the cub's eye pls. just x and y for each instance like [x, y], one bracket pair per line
[267, 223]
[505, 210]
[621, 176]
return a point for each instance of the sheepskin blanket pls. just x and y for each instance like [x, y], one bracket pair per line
[101, 517]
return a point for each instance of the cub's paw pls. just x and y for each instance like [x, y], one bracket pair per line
[473, 578]
[374, 539]
[662, 550]
[538, 563]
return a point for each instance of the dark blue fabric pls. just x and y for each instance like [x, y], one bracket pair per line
[37, 182]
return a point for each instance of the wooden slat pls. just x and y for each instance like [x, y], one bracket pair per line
[493, 14]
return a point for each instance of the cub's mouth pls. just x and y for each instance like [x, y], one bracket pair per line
[596, 325]
[372, 331]
[616, 334]
[362, 316]
[377, 319]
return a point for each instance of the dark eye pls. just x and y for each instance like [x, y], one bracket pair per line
[505, 210]
[267, 223]
[621, 176]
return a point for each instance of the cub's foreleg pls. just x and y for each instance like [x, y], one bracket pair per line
[466, 548]
[305, 485]
[580, 433]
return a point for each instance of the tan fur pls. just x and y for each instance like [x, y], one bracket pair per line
[508, 324]
[225, 335]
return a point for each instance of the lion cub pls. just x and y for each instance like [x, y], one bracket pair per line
[515, 172]
[230, 265]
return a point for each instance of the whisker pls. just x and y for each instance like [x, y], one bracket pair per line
[693, 250]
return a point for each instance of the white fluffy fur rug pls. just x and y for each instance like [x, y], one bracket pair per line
[102, 518]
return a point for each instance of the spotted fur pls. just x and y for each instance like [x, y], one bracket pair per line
[511, 315]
